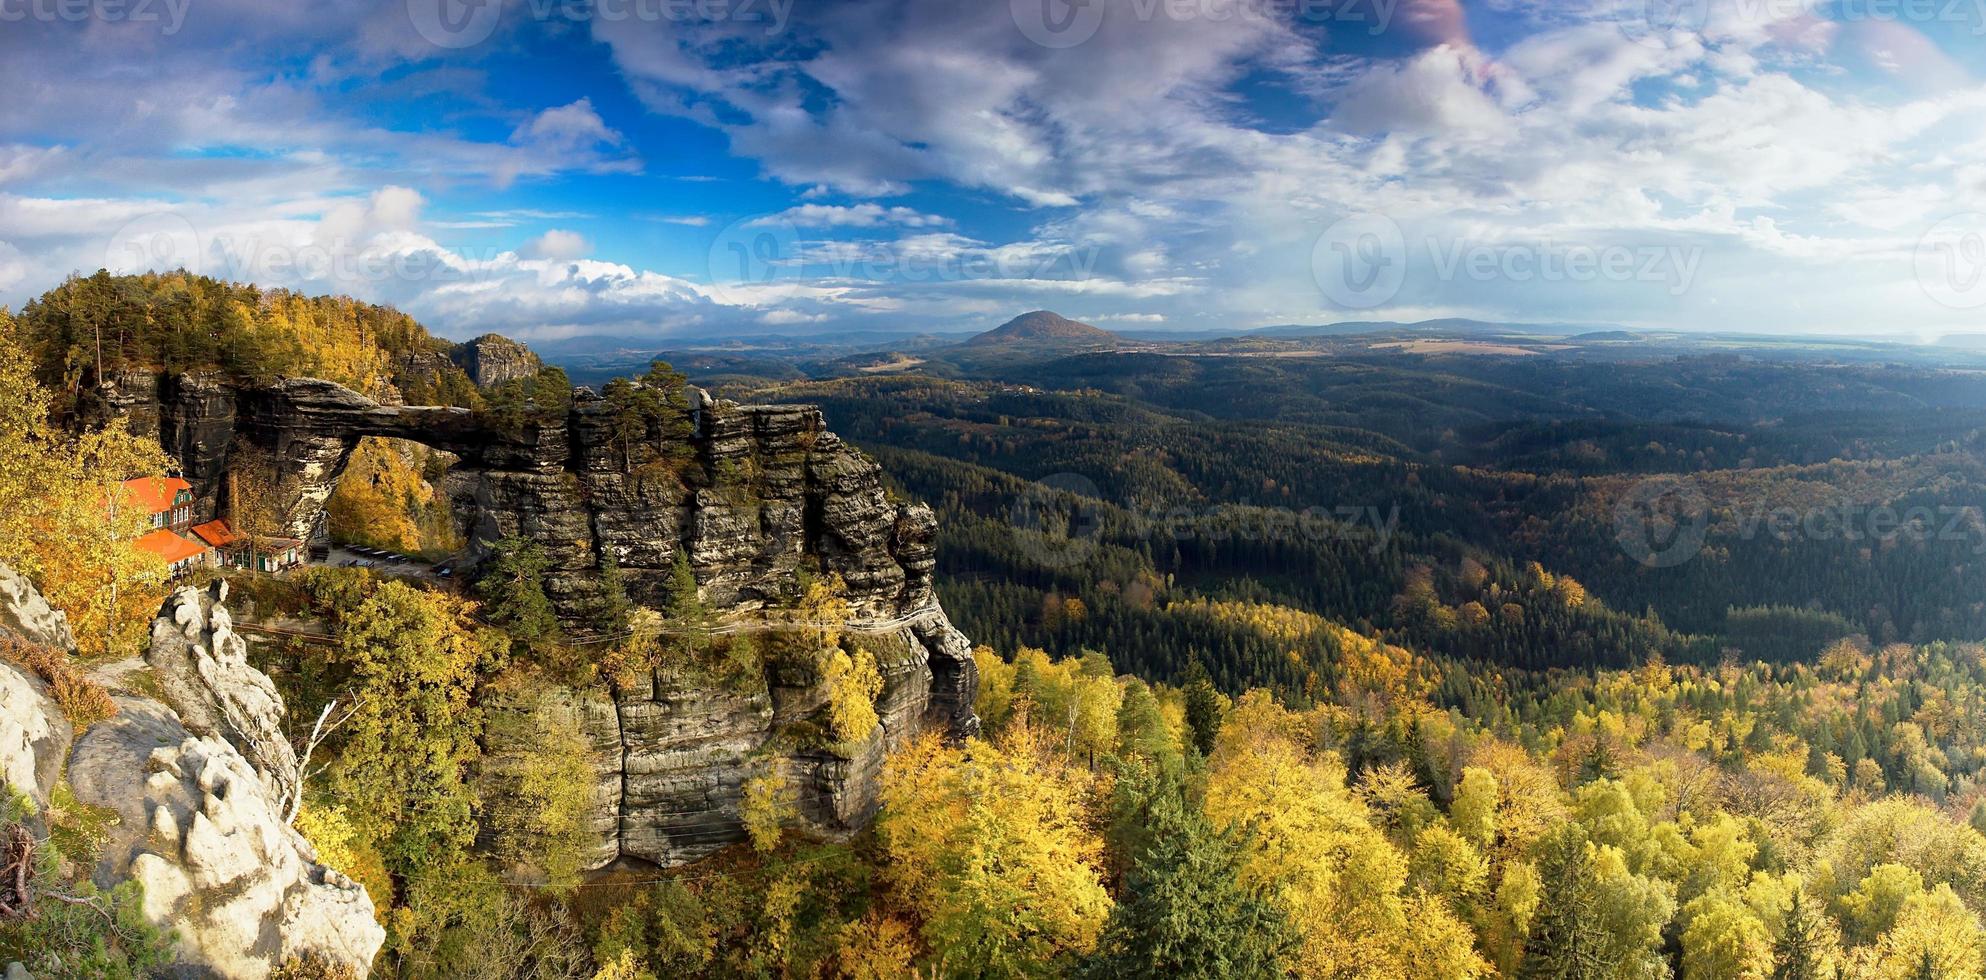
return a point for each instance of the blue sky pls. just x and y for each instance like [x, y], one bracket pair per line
[703, 169]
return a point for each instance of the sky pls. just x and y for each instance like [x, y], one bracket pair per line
[707, 169]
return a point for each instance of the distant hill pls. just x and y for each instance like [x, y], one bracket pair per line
[1042, 328]
[1445, 325]
[1964, 341]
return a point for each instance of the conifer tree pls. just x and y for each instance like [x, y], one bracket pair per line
[513, 590]
[1803, 951]
[1203, 708]
[1185, 913]
[1564, 944]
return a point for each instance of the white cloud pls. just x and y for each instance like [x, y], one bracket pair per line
[558, 244]
[866, 215]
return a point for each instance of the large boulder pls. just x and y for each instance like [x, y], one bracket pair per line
[218, 863]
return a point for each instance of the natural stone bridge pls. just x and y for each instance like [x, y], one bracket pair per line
[762, 490]
[766, 486]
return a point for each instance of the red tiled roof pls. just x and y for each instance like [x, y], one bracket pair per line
[154, 493]
[216, 533]
[169, 546]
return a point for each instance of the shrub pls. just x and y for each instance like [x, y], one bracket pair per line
[83, 700]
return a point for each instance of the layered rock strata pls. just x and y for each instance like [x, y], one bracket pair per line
[747, 493]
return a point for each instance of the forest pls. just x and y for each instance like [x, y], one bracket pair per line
[1309, 696]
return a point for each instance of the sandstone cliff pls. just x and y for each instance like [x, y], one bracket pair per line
[748, 494]
[752, 493]
[491, 359]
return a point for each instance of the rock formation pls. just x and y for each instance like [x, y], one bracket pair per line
[34, 736]
[747, 494]
[203, 673]
[491, 359]
[198, 823]
[762, 490]
[25, 615]
[243, 890]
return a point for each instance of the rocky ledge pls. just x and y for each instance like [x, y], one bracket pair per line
[199, 823]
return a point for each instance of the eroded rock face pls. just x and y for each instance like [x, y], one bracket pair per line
[34, 736]
[202, 668]
[25, 615]
[670, 759]
[243, 889]
[750, 495]
[491, 359]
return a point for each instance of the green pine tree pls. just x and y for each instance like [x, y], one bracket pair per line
[1564, 942]
[1203, 707]
[513, 590]
[1801, 952]
[1184, 913]
[612, 608]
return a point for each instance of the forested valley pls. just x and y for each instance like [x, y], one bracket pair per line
[1353, 676]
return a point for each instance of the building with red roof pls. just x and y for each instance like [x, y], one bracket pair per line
[167, 499]
[265, 555]
[179, 554]
[168, 502]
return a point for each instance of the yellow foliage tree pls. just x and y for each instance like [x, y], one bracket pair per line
[1312, 846]
[991, 847]
[852, 685]
[63, 520]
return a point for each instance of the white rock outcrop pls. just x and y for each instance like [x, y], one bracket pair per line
[25, 614]
[34, 736]
[243, 889]
[202, 668]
